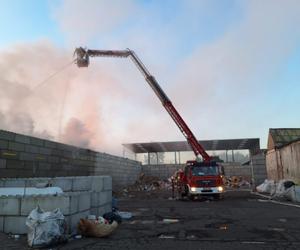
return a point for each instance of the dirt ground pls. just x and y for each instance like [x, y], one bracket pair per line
[240, 221]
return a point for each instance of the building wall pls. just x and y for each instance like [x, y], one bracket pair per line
[290, 156]
[81, 196]
[165, 171]
[284, 163]
[272, 165]
[26, 156]
[258, 163]
[235, 169]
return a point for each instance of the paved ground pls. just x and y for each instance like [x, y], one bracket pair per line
[240, 221]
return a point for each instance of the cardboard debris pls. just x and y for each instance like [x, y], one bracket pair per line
[90, 228]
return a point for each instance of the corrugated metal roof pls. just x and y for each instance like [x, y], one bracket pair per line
[283, 136]
[232, 144]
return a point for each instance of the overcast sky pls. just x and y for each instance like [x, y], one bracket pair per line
[230, 67]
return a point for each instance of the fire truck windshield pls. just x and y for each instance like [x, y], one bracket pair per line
[205, 170]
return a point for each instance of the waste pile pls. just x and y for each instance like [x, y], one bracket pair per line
[282, 190]
[98, 228]
[149, 183]
[46, 229]
[238, 182]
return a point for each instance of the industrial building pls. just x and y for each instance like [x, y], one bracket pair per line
[283, 155]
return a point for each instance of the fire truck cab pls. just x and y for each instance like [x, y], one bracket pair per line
[201, 178]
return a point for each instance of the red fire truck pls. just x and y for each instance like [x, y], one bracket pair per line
[199, 177]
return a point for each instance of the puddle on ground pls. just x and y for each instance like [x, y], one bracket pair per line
[141, 222]
[219, 226]
[143, 209]
[147, 221]
[253, 242]
[282, 220]
[191, 237]
[166, 236]
[136, 213]
[276, 229]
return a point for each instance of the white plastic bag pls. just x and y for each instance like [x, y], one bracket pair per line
[282, 192]
[46, 228]
[268, 186]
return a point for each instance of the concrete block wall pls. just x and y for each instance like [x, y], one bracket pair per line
[163, 171]
[236, 169]
[83, 196]
[259, 168]
[27, 156]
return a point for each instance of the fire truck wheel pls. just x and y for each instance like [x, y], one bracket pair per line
[185, 192]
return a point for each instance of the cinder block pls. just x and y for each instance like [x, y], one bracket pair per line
[104, 198]
[7, 135]
[2, 163]
[8, 154]
[74, 203]
[84, 201]
[31, 149]
[93, 211]
[9, 205]
[1, 223]
[64, 183]
[50, 144]
[22, 139]
[81, 184]
[36, 141]
[14, 183]
[15, 225]
[107, 183]
[46, 202]
[101, 211]
[27, 156]
[97, 183]
[53, 159]
[45, 151]
[74, 219]
[34, 182]
[3, 144]
[107, 208]
[16, 146]
[94, 199]
[14, 164]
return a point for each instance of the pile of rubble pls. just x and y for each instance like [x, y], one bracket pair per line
[238, 182]
[149, 183]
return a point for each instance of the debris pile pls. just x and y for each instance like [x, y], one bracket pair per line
[282, 190]
[96, 228]
[149, 183]
[238, 182]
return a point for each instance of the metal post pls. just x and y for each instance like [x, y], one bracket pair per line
[232, 155]
[148, 158]
[156, 158]
[175, 158]
[226, 155]
[179, 157]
